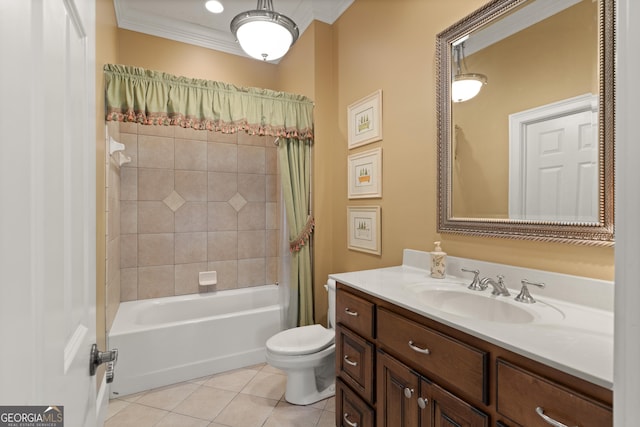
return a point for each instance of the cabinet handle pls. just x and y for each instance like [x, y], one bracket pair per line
[423, 402]
[350, 313]
[408, 392]
[346, 359]
[418, 349]
[345, 417]
[548, 419]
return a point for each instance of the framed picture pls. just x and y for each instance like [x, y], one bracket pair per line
[364, 229]
[365, 120]
[365, 174]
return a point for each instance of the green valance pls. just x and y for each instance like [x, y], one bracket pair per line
[134, 94]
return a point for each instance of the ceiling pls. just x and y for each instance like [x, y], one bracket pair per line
[188, 21]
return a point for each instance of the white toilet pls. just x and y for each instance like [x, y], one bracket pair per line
[307, 355]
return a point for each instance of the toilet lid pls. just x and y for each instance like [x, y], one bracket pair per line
[302, 340]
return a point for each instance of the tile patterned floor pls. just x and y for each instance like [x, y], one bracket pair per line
[248, 397]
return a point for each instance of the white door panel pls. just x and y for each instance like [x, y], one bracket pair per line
[47, 191]
[554, 163]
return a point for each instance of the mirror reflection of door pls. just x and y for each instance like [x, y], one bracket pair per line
[553, 58]
[553, 165]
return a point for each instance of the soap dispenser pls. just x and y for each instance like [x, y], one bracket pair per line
[438, 262]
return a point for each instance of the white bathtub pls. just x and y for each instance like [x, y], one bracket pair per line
[167, 340]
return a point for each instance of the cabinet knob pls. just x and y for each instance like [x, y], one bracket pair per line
[423, 402]
[548, 419]
[345, 417]
[408, 392]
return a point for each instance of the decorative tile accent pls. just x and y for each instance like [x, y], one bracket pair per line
[237, 201]
[174, 201]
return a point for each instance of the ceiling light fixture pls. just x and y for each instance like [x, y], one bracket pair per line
[263, 33]
[464, 86]
[214, 6]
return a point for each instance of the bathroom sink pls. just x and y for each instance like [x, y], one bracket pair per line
[484, 306]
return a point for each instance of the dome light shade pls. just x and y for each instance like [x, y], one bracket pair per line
[466, 86]
[264, 34]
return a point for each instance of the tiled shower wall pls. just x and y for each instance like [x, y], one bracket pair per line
[193, 201]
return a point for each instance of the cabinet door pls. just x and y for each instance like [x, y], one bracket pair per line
[397, 388]
[447, 410]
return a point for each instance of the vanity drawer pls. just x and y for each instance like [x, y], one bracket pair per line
[350, 409]
[355, 362]
[453, 363]
[355, 313]
[520, 393]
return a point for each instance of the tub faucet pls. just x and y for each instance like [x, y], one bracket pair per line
[499, 287]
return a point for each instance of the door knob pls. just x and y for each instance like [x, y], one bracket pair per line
[97, 358]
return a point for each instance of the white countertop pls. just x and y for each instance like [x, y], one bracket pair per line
[578, 342]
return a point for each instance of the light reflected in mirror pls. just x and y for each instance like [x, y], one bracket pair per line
[531, 155]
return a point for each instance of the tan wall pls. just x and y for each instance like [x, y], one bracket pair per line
[155, 53]
[391, 46]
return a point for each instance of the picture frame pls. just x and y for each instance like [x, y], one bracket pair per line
[364, 120]
[365, 174]
[363, 227]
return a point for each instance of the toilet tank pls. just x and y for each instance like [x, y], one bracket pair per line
[331, 294]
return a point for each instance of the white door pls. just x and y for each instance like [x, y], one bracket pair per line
[47, 197]
[554, 170]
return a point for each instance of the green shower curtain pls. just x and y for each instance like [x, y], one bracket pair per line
[295, 164]
[133, 94]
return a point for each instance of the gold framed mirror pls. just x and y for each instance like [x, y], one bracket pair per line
[531, 156]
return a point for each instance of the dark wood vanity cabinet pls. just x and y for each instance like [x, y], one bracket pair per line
[396, 368]
[407, 399]
[355, 361]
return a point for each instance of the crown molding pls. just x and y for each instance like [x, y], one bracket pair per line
[147, 22]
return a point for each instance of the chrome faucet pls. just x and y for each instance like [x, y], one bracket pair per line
[499, 287]
[524, 295]
[475, 283]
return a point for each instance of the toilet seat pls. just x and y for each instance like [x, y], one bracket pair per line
[301, 340]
